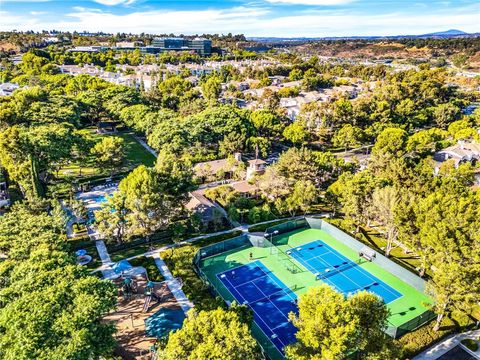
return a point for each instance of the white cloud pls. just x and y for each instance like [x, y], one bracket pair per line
[311, 2]
[252, 21]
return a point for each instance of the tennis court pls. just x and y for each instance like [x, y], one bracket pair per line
[345, 275]
[270, 300]
[269, 275]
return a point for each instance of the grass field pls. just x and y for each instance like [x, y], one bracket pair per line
[135, 154]
[408, 306]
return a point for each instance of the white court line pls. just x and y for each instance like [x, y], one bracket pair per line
[260, 317]
[237, 267]
[365, 273]
[362, 271]
[266, 297]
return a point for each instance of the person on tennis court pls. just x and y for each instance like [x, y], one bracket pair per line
[251, 256]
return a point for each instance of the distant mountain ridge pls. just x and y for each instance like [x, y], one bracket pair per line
[452, 33]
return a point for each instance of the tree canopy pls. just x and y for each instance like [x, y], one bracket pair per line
[215, 334]
[49, 306]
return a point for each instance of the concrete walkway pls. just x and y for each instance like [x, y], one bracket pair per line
[145, 145]
[437, 350]
[106, 270]
[172, 283]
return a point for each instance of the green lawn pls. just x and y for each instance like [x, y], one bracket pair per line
[128, 253]
[135, 154]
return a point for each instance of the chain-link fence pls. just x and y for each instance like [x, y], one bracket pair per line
[382, 261]
[387, 264]
[286, 227]
[415, 323]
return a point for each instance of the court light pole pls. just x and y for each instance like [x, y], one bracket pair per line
[271, 239]
[271, 235]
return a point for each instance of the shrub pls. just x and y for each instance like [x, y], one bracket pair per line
[83, 242]
[79, 229]
[470, 344]
[420, 339]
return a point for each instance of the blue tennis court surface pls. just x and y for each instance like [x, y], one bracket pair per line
[340, 272]
[271, 300]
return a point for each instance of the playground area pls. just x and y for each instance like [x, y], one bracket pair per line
[269, 273]
[144, 313]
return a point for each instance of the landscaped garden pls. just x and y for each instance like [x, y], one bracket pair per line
[180, 262]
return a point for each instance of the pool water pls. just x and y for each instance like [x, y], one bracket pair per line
[163, 321]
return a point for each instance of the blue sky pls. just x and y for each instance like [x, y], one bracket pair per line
[284, 18]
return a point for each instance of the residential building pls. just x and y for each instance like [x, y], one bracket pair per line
[88, 49]
[245, 189]
[462, 152]
[4, 196]
[209, 171]
[8, 88]
[255, 167]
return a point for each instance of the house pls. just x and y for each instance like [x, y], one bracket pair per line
[4, 196]
[244, 188]
[243, 86]
[462, 152]
[217, 169]
[201, 206]
[241, 103]
[255, 167]
[8, 88]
